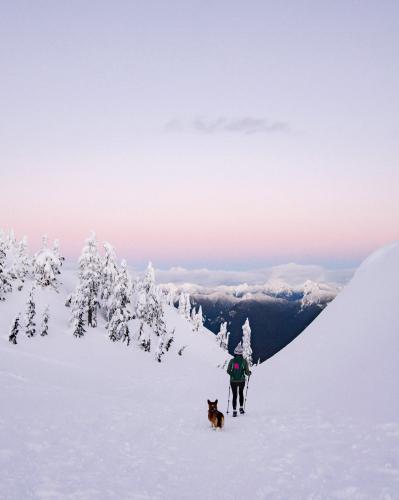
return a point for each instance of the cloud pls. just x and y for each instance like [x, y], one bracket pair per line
[240, 125]
[291, 274]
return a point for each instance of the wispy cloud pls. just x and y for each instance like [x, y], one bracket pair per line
[239, 125]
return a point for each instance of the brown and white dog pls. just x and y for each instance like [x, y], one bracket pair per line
[215, 417]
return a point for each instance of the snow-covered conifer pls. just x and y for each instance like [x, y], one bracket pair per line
[169, 339]
[118, 327]
[246, 342]
[109, 272]
[198, 321]
[149, 278]
[159, 322]
[79, 311]
[78, 326]
[188, 306]
[30, 313]
[121, 292]
[44, 325]
[5, 284]
[14, 330]
[46, 266]
[182, 304]
[222, 337]
[160, 351]
[57, 253]
[89, 278]
[24, 263]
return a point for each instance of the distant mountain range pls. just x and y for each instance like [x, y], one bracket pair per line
[277, 312]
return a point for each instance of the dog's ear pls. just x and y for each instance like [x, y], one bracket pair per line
[209, 402]
[216, 402]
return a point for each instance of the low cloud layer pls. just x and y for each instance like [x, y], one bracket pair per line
[238, 125]
[291, 274]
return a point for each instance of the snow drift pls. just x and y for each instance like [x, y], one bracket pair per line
[347, 360]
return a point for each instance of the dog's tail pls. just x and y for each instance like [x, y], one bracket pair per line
[220, 418]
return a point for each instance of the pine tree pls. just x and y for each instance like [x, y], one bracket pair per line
[30, 313]
[188, 307]
[89, 278]
[182, 304]
[120, 296]
[169, 340]
[140, 313]
[149, 278]
[159, 323]
[118, 328]
[246, 342]
[14, 331]
[5, 284]
[46, 267]
[78, 326]
[109, 272]
[222, 337]
[24, 263]
[44, 325]
[160, 351]
[198, 321]
[79, 311]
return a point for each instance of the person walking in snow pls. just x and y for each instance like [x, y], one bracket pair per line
[237, 369]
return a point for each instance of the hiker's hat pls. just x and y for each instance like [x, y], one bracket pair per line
[238, 349]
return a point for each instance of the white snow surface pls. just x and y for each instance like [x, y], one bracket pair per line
[347, 360]
[91, 419]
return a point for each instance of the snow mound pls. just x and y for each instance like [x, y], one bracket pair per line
[346, 361]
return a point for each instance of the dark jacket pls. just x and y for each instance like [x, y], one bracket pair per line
[244, 371]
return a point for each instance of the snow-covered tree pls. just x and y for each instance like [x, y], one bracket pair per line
[169, 339]
[145, 339]
[78, 325]
[89, 278]
[79, 311]
[44, 324]
[57, 253]
[120, 296]
[14, 330]
[188, 306]
[118, 305]
[182, 304]
[30, 313]
[46, 266]
[198, 320]
[23, 262]
[118, 327]
[222, 337]
[5, 284]
[185, 305]
[109, 272]
[161, 348]
[159, 322]
[246, 342]
[149, 278]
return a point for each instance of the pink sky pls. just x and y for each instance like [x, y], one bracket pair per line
[205, 134]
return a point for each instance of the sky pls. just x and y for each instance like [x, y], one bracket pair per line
[223, 134]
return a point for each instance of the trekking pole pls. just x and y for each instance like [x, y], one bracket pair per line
[246, 392]
[228, 402]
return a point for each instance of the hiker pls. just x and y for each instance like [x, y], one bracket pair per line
[237, 369]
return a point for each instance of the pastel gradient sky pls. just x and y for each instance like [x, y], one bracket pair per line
[211, 133]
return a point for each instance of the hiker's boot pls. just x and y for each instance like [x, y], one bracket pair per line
[234, 413]
[242, 410]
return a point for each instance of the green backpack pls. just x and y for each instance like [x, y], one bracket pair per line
[237, 369]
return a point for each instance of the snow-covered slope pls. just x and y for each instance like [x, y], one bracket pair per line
[347, 360]
[89, 419]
